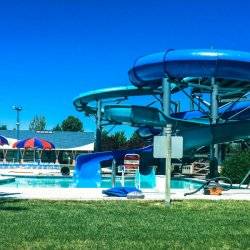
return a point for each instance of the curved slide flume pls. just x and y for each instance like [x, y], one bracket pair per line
[239, 110]
[205, 133]
[203, 63]
[84, 102]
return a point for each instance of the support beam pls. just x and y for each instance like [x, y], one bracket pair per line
[57, 152]
[98, 126]
[5, 151]
[73, 153]
[113, 175]
[34, 155]
[214, 116]
[191, 104]
[166, 89]
[214, 101]
[22, 153]
[40, 153]
[194, 102]
[168, 134]
[178, 107]
[167, 131]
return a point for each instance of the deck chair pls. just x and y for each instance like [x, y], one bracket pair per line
[130, 166]
[131, 163]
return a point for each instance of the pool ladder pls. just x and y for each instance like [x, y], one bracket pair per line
[122, 169]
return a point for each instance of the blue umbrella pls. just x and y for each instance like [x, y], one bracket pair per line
[3, 141]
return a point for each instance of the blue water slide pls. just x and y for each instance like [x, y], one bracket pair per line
[178, 64]
[144, 116]
[235, 110]
[194, 138]
[86, 102]
[195, 134]
[232, 72]
[88, 170]
[239, 110]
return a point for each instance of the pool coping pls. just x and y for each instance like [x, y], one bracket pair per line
[84, 194]
[96, 193]
[6, 179]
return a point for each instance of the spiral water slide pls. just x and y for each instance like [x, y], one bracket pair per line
[230, 70]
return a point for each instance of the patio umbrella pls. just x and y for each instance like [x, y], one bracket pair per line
[4, 145]
[34, 143]
[3, 141]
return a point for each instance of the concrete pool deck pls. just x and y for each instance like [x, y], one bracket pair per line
[96, 194]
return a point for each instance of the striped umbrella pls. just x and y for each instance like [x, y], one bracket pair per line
[3, 141]
[33, 143]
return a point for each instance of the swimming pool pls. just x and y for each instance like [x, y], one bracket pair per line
[69, 182]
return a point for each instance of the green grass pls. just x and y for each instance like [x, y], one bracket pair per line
[124, 225]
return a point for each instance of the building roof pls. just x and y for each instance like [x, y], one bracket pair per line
[61, 139]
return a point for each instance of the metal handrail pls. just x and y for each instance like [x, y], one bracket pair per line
[244, 179]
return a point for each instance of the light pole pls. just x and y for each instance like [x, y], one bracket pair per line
[17, 109]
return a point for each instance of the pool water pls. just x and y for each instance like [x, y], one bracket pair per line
[62, 182]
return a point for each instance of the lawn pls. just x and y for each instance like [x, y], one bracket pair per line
[124, 225]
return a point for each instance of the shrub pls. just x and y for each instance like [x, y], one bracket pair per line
[237, 166]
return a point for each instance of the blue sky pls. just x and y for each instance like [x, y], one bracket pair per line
[51, 51]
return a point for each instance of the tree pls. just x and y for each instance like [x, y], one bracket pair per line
[135, 141]
[38, 123]
[105, 141]
[72, 123]
[3, 127]
[237, 166]
[57, 128]
[113, 142]
[119, 140]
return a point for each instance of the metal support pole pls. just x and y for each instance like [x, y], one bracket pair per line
[57, 156]
[113, 175]
[192, 101]
[34, 155]
[214, 117]
[167, 131]
[18, 123]
[17, 130]
[123, 177]
[214, 101]
[178, 109]
[199, 101]
[166, 88]
[98, 126]
[17, 109]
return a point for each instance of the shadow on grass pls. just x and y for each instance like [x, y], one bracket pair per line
[4, 194]
[12, 208]
[9, 198]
